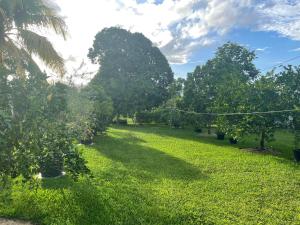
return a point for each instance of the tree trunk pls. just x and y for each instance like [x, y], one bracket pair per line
[262, 140]
[297, 130]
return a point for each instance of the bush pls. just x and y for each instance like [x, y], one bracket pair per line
[198, 130]
[220, 135]
[5, 144]
[233, 141]
[58, 152]
[175, 119]
[144, 117]
[101, 112]
[123, 122]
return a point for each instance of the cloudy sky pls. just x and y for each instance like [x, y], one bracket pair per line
[187, 31]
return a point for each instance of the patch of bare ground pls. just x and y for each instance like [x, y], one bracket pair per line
[267, 151]
[13, 222]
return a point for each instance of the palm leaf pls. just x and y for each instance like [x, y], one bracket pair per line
[50, 22]
[42, 47]
[36, 13]
[10, 49]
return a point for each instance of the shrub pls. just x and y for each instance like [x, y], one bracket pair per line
[144, 117]
[123, 122]
[102, 107]
[220, 135]
[175, 119]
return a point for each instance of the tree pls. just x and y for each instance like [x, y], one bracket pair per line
[204, 89]
[234, 58]
[134, 73]
[263, 96]
[289, 83]
[230, 98]
[176, 88]
[18, 41]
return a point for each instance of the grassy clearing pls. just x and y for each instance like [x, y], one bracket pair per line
[155, 175]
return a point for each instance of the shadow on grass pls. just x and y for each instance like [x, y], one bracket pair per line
[78, 203]
[86, 202]
[137, 158]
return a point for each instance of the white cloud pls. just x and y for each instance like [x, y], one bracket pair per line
[295, 50]
[281, 16]
[261, 49]
[178, 27]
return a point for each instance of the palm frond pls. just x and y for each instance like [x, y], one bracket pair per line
[10, 49]
[42, 47]
[51, 22]
[36, 13]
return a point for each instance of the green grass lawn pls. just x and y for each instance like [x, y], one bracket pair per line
[156, 175]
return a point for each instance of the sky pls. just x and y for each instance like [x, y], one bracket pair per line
[188, 32]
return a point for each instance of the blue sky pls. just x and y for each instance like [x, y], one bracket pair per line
[271, 49]
[188, 32]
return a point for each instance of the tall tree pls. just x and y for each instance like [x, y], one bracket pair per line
[134, 73]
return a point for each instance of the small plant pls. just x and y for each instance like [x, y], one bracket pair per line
[220, 135]
[198, 130]
[122, 122]
[144, 117]
[233, 140]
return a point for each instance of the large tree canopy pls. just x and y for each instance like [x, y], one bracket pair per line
[134, 73]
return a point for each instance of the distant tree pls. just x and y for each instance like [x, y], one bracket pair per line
[197, 97]
[263, 96]
[205, 88]
[230, 98]
[289, 83]
[176, 88]
[133, 72]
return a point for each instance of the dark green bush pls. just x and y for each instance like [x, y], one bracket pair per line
[144, 117]
[220, 135]
[122, 122]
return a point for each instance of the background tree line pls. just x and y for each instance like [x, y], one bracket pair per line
[230, 83]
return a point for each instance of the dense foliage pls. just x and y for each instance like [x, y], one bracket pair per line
[34, 136]
[90, 112]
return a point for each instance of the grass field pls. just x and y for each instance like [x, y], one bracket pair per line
[156, 175]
